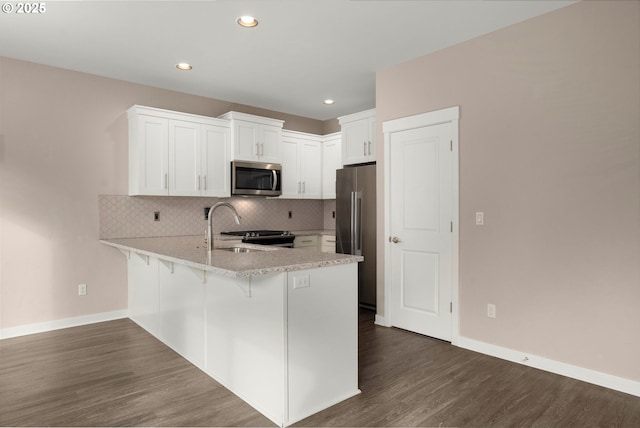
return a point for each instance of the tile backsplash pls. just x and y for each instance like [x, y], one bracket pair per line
[124, 216]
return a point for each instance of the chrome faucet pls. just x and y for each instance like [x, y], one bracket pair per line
[210, 221]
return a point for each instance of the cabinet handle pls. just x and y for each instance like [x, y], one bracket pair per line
[369, 147]
[199, 183]
[304, 187]
[256, 151]
[205, 183]
[166, 180]
[261, 149]
[364, 148]
[299, 188]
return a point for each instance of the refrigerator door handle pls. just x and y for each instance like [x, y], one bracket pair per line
[356, 223]
[352, 229]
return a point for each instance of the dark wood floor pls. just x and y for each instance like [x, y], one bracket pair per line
[115, 374]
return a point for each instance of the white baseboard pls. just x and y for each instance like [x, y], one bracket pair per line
[381, 321]
[591, 376]
[24, 330]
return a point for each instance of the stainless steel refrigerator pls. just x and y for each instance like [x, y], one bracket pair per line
[356, 224]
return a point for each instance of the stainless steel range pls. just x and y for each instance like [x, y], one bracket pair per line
[279, 238]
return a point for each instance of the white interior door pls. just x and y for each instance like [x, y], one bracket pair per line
[420, 226]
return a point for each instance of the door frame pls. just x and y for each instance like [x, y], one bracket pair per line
[448, 115]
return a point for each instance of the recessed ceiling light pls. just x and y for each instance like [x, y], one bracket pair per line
[329, 101]
[183, 66]
[247, 21]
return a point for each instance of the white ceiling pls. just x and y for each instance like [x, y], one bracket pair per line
[302, 52]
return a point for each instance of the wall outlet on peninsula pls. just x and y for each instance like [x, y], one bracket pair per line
[491, 310]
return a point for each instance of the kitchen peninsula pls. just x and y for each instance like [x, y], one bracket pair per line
[276, 326]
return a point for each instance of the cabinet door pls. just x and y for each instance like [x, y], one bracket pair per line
[290, 169]
[246, 140]
[331, 161]
[311, 169]
[328, 244]
[143, 280]
[322, 351]
[215, 161]
[184, 158]
[269, 144]
[371, 149]
[307, 242]
[152, 155]
[181, 302]
[355, 140]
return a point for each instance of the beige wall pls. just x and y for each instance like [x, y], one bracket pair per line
[63, 141]
[550, 152]
[330, 126]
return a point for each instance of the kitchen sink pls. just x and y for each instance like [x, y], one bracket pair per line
[239, 249]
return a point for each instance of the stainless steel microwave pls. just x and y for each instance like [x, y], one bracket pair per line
[256, 178]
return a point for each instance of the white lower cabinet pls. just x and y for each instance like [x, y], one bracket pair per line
[182, 311]
[286, 343]
[165, 299]
[144, 306]
[245, 341]
[322, 338]
[328, 244]
[306, 242]
[322, 243]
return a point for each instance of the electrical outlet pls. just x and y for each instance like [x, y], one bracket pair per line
[290, 214]
[301, 281]
[82, 290]
[156, 216]
[333, 214]
[206, 213]
[491, 310]
[479, 219]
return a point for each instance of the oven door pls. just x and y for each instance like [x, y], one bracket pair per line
[256, 178]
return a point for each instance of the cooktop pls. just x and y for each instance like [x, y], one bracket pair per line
[256, 233]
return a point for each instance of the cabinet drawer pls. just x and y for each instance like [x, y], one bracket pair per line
[329, 240]
[309, 242]
[328, 244]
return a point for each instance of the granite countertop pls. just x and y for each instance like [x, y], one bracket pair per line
[192, 251]
[314, 232]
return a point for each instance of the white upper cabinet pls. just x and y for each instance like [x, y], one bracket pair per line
[216, 175]
[301, 166]
[148, 154]
[290, 166]
[331, 161]
[184, 158]
[255, 138]
[358, 137]
[177, 154]
[311, 169]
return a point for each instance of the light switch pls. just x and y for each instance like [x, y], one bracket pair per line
[479, 218]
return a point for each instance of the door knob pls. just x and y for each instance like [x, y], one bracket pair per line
[394, 239]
